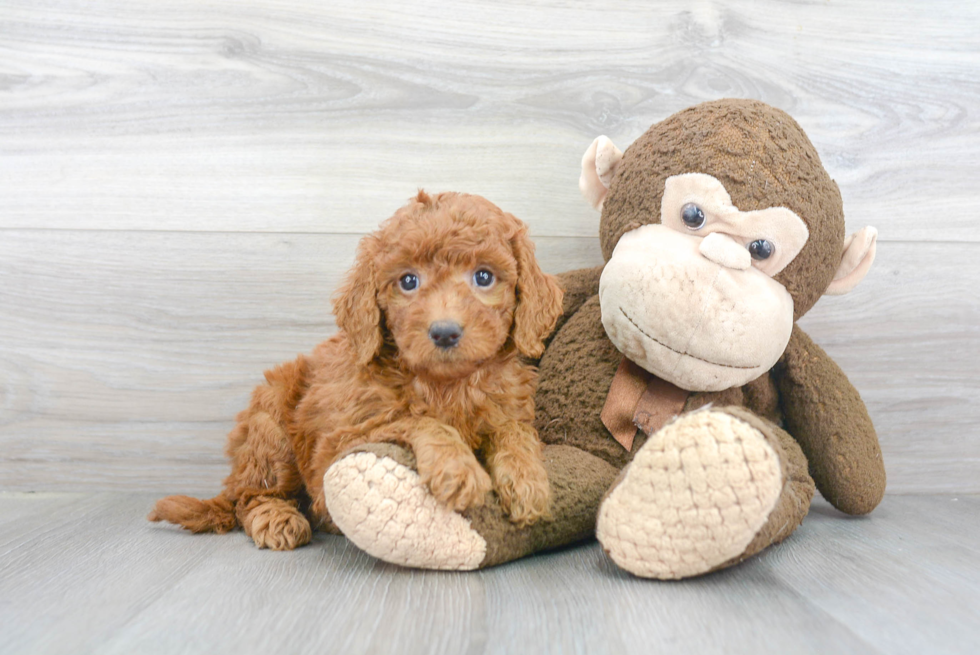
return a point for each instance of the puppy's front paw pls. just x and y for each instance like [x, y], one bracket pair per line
[458, 482]
[523, 490]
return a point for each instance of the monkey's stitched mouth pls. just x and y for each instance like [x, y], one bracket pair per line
[680, 352]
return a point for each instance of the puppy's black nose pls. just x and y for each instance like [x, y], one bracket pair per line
[445, 334]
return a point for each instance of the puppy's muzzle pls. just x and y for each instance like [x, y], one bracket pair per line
[445, 334]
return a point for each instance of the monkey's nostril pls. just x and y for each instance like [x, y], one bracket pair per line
[445, 334]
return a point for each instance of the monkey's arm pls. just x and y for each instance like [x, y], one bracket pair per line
[826, 415]
[579, 285]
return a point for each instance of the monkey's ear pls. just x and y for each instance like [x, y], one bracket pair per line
[859, 253]
[598, 167]
[356, 303]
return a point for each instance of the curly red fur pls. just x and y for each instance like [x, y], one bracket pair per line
[382, 378]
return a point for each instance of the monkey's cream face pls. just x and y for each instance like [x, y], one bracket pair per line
[692, 299]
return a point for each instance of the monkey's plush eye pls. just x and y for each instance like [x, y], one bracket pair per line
[692, 216]
[761, 249]
[408, 282]
[483, 278]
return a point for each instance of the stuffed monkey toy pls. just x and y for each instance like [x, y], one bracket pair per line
[686, 417]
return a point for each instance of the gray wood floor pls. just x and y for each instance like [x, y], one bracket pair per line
[85, 573]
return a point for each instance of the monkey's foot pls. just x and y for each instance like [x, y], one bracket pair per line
[693, 499]
[379, 502]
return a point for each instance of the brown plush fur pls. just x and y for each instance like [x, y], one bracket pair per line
[764, 159]
[382, 379]
[805, 408]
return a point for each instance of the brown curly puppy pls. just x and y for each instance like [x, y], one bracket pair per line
[441, 303]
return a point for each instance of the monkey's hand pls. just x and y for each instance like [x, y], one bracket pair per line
[826, 415]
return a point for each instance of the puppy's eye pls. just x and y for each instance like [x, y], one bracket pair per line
[408, 282]
[692, 216]
[761, 249]
[483, 278]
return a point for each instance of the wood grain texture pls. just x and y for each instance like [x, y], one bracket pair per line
[315, 117]
[182, 185]
[127, 354]
[124, 356]
[87, 574]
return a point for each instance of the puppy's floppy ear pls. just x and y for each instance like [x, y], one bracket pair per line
[538, 298]
[356, 303]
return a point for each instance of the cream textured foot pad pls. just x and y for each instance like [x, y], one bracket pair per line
[693, 498]
[383, 507]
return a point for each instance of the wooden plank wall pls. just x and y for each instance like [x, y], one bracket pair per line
[182, 185]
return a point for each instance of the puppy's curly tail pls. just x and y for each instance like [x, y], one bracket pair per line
[214, 515]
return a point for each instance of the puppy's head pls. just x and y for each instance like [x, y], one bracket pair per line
[452, 279]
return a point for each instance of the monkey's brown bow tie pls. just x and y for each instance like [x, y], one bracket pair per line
[639, 399]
